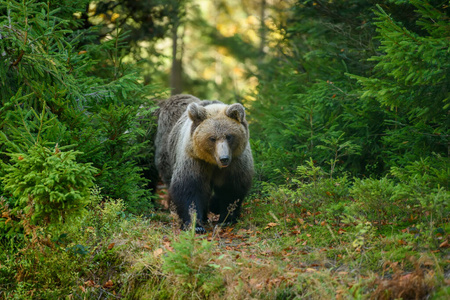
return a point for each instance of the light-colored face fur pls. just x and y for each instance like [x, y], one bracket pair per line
[219, 132]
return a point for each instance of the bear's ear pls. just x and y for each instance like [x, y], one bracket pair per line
[236, 111]
[196, 113]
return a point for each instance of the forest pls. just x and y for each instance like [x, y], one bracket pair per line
[348, 104]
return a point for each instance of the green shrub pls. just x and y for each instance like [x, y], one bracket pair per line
[50, 262]
[373, 199]
[313, 190]
[268, 160]
[49, 185]
[65, 85]
[417, 190]
[396, 113]
[410, 82]
[423, 186]
[190, 265]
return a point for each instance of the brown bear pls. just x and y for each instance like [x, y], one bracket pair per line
[203, 155]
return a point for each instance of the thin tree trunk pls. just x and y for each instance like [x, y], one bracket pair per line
[176, 70]
[262, 30]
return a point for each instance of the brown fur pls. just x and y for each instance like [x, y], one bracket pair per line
[203, 155]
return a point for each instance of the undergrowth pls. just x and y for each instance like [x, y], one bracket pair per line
[360, 239]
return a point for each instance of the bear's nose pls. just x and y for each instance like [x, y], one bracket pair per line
[224, 160]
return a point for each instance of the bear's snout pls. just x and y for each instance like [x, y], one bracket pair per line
[225, 160]
[223, 154]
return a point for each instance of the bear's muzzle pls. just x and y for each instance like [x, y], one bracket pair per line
[223, 154]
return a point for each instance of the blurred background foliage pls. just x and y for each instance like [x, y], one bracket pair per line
[361, 86]
[357, 86]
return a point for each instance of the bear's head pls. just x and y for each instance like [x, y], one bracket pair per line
[219, 132]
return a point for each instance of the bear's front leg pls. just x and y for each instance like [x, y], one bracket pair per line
[227, 203]
[230, 189]
[190, 192]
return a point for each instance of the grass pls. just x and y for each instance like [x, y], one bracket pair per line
[279, 250]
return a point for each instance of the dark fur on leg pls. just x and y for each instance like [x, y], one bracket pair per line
[227, 202]
[190, 196]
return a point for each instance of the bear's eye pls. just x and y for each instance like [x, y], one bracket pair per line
[212, 139]
[229, 137]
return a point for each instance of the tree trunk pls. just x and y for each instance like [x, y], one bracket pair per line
[176, 70]
[262, 30]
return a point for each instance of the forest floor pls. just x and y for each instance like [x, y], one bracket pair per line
[276, 252]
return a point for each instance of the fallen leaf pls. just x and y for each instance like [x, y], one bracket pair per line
[444, 245]
[253, 281]
[168, 247]
[89, 283]
[339, 293]
[428, 264]
[158, 252]
[111, 246]
[108, 284]
[271, 225]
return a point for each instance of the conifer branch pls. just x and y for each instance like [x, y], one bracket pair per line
[19, 58]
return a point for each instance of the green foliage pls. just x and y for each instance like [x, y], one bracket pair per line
[105, 214]
[146, 21]
[417, 189]
[363, 233]
[302, 258]
[54, 259]
[48, 185]
[424, 184]
[61, 88]
[398, 111]
[374, 199]
[268, 159]
[410, 80]
[192, 265]
[313, 190]
[314, 120]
